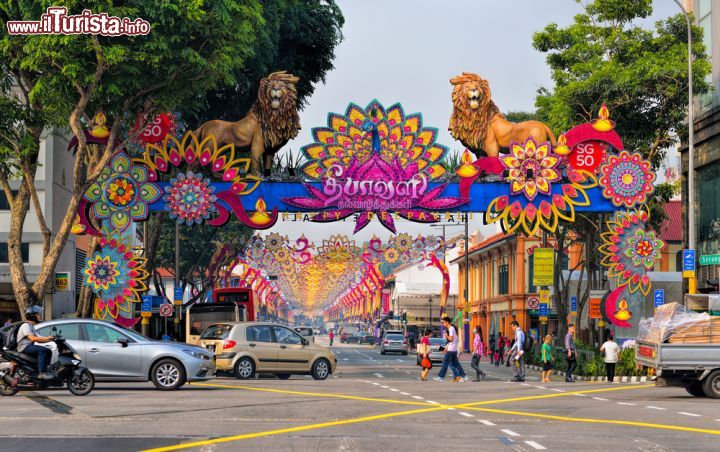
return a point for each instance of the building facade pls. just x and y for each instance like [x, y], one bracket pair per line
[707, 146]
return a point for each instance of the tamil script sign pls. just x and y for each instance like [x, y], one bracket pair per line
[543, 266]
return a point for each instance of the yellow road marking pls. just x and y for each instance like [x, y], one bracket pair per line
[316, 394]
[549, 396]
[598, 421]
[292, 429]
[470, 406]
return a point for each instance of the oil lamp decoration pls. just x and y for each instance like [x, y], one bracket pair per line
[99, 129]
[603, 123]
[260, 217]
[562, 147]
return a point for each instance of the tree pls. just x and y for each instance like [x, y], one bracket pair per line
[60, 81]
[640, 74]
[203, 249]
[604, 56]
[300, 37]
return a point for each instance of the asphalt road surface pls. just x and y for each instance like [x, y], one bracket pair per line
[372, 402]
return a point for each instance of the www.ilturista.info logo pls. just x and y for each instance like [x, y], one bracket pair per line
[57, 22]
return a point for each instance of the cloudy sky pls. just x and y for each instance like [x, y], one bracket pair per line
[407, 50]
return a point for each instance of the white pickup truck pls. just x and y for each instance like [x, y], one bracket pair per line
[683, 348]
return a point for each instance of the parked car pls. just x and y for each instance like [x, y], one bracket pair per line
[250, 347]
[369, 339]
[435, 354]
[113, 353]
[306, 332]
[394, 343]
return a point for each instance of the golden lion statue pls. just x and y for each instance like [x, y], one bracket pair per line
[272, 122]
[478, 124]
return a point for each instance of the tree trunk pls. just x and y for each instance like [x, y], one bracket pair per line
[24, 296]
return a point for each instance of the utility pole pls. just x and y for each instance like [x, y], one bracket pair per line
[692, 240]
[178, 307]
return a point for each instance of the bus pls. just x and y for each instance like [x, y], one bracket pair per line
[231, 304]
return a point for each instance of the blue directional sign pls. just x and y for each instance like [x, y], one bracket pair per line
[543, 310]
[659, 297]
[178, 294]
[688, 263]
[573, 305]
[146, 305]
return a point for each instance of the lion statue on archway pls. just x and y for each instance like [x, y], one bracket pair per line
[272, 122]
[478, 124]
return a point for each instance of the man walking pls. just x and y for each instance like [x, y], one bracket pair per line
[611, 350]
[570, 353]
[516, 352]
[451, 354]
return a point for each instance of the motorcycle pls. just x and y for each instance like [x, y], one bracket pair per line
[20, 372]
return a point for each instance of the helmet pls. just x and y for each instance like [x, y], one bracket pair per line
[33, 313]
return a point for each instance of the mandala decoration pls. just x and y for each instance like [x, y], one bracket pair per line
[629, 250]
[374, 162]
[227, 167]
[122, 193]
[627, 179]
[533, 203]
[190, 198]
[116, 274]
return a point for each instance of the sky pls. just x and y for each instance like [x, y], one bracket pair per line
[407, 51]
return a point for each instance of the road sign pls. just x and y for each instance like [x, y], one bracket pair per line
[573, 305]
[146, 306]
[543, 266]
[688, 261]
[710, 259]
[178, 295]
[543, 309]
[166, 310]
[533, 303]
[659, 297]
[62, 281]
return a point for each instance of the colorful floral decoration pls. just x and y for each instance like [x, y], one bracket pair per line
[116, 274]
[122, 192]
[626, 179]
[374, 162]
[533, 203]
[190, 198]
[629, 250]
[225, 163]
[531, 169]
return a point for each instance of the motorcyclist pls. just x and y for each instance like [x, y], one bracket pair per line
[27, 340]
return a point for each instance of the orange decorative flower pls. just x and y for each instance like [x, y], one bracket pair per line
[121, 191]
[531, 168]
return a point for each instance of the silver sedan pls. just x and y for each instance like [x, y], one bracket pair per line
[113, 353]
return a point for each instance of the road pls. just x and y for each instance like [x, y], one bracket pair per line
[373, 402]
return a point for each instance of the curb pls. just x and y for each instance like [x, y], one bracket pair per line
[618, 378]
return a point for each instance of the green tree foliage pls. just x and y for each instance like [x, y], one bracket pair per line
[63, 80]
[202, 248]
[300, 37]
[605, 56]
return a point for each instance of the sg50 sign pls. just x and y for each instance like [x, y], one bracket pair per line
[587, 156]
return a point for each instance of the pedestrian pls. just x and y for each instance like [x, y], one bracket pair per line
[547, 358]
[451, 354]
[508, 344]
[611, 350]
[477, 353]
[491, 352]
[8, 322]
[571, 353]
[425, 350]
[331, 336]
[516, 352]
[501, 347]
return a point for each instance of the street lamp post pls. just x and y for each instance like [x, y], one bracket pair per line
[430, 312]
[691, 146]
